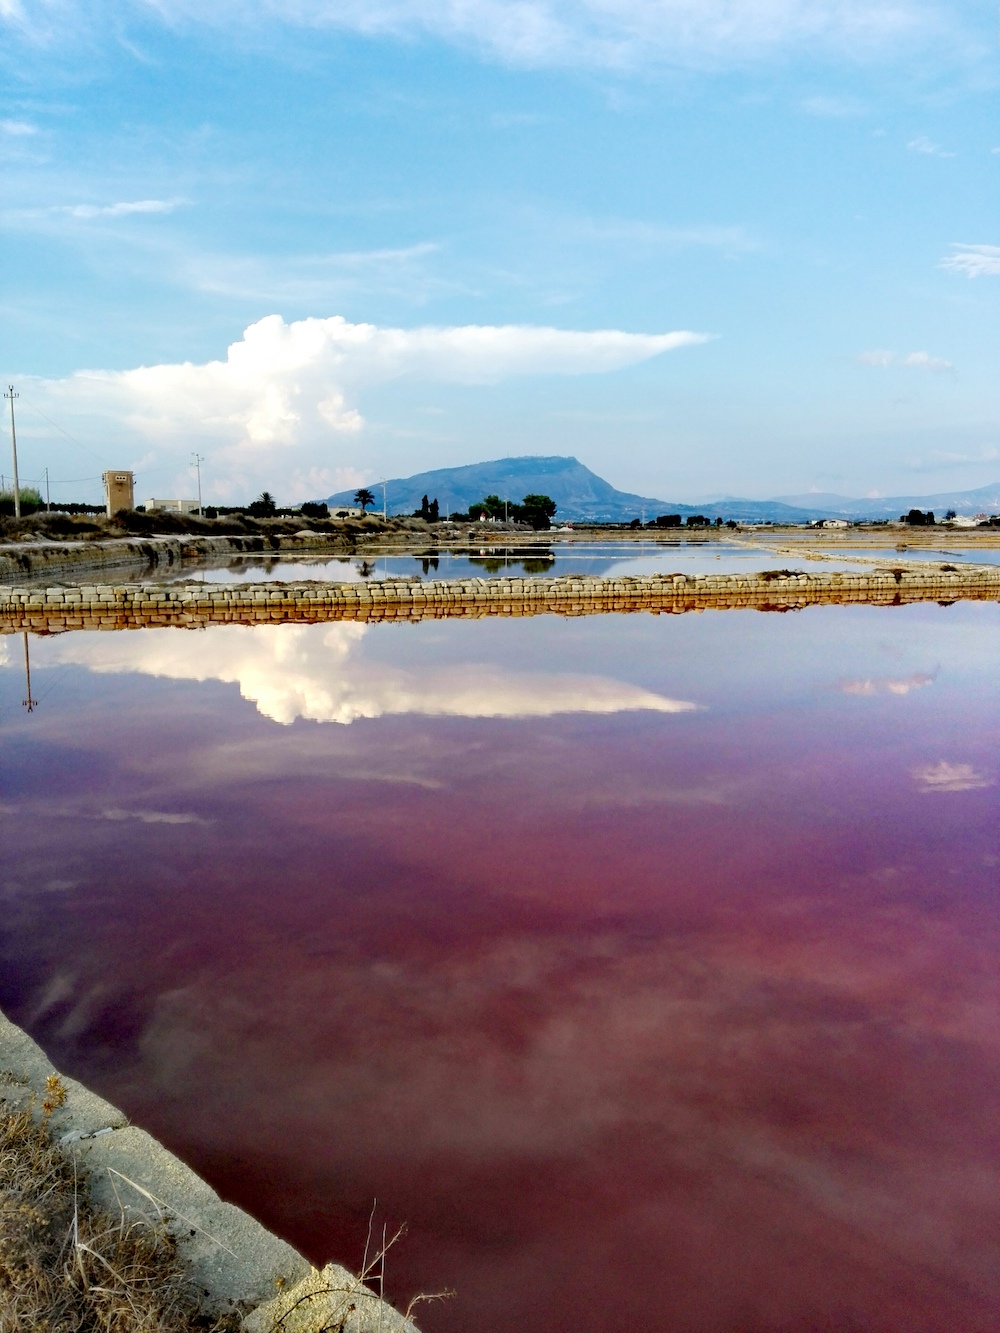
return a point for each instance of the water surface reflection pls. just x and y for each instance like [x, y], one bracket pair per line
[642, 1018]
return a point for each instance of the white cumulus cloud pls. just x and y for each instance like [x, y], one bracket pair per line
[287, 387]
[319, 672]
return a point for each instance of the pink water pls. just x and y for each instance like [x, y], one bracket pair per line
[641, 1018]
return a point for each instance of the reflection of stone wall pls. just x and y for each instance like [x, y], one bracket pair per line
[131, 606]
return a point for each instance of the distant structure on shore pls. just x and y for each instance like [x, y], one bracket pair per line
[172, 506]
[119, 491]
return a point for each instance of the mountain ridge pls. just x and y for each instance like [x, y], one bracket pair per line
[583, 496]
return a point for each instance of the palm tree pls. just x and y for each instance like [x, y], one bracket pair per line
[364, 498]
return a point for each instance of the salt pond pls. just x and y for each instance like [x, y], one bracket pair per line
[646, 966]
[608, 558]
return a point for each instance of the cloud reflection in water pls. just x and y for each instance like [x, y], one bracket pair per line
[319, 672]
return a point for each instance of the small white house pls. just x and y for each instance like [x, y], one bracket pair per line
[835, 523]
[964, 521]
[347, 511]
[173, 506]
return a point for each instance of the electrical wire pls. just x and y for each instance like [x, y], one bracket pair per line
[38, 412]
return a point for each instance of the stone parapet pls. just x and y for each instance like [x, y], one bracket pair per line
[134, 605]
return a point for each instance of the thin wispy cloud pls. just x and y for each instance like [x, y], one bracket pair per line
[620, 35]
[946, 458]
[153, 816]
[125, 208]
[17, 129]
[400, 270]
[975, 261]
[945, 777]
[921, 144]
[832, 108]
[868, 687]
[882, 359]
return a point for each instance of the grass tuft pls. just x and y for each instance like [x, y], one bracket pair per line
[66, 1267]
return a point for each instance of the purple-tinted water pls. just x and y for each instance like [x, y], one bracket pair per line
[646, 966]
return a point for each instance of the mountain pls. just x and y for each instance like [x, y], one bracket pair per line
[581, 495]
[985, 500]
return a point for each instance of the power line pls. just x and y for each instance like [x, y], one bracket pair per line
[38, 412]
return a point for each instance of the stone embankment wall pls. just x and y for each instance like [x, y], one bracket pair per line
[20, 560]
[236, 1265]
[132, 606]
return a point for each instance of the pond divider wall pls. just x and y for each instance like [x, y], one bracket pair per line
[33, 558]
[192, 605]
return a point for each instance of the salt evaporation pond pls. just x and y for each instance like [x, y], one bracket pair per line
[609, 559]
[646, 966]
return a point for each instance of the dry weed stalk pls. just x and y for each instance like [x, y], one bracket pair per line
[372, 1275]
[66, 1267]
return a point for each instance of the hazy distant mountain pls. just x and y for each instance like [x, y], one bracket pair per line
[985, 500]
[580, 494]
[583, 496]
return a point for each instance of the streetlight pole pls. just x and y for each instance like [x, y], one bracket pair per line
[198, 460]
[384, 512]
[13, 444]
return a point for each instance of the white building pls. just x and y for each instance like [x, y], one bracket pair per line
[346, 511]
[835, 523]
[173, 506]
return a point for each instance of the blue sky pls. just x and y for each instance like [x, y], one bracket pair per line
[505, 205]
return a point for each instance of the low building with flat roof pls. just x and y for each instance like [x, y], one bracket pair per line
[173, 506]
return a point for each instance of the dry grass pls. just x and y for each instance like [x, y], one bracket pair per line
[66, 1267]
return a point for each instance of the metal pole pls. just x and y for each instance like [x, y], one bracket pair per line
[48, 503]
[13, 444]
[28, 703]
[198, 460]
[384, 514]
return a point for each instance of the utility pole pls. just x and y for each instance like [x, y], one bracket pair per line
[13, 444]
[198, 460]
[28, 703]
[48, 504]
[384, 513]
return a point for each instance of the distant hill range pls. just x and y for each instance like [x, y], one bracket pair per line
[583, 496]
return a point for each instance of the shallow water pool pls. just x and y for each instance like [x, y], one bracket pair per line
[645, 966]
